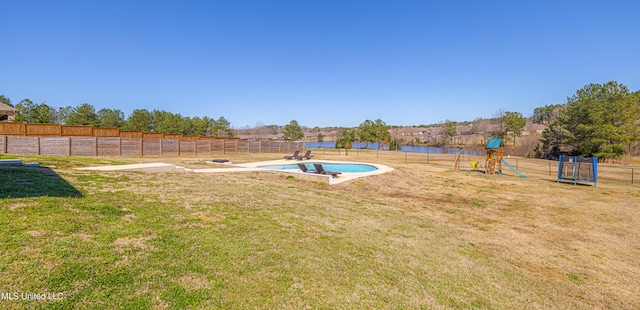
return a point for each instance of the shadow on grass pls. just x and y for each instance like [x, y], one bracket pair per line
[569, 182]
[22, 182]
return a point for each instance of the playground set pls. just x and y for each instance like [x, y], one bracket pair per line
[495, 160]
[575, 169]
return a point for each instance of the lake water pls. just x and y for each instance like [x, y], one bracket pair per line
[438, 150]
[332, 145]
[404, 148]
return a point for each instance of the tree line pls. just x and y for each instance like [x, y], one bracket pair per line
[599, 120]
[368, 131]
[140, 119]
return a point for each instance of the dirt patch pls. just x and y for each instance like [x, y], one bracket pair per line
[21, 205]
[82, 236]
[193, 282]
[207, 218]
[138, 243]
[28, 250]
[130, 217]
[36, 233]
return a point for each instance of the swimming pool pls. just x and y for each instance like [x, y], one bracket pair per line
[327, 166]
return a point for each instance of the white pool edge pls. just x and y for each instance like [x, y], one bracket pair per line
[253, 167]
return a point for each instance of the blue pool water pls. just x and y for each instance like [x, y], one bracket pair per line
[326, 166]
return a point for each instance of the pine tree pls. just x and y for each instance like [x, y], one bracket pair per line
[598, 120]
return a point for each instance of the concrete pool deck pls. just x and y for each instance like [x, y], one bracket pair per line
[252, 167]
[344, 177]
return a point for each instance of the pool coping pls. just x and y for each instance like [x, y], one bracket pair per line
[253, 167]
[344, 177]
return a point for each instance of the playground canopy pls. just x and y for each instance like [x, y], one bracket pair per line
[494, 143]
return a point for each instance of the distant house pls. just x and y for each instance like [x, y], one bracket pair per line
[533, 128]
[7, 113]
[408, 131]
[464, 129]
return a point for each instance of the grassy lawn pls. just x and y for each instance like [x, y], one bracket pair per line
[419, 237]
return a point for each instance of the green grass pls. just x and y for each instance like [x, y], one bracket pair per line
[19, 182]
[65, 162]
[125, 249]
[131, 240]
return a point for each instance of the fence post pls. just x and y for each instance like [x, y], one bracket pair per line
[632, 176]
[96, 142]
[427, 157]
[405, 157]
[70, 147]
[141, 146]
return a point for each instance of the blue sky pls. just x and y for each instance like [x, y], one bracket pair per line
[322, 63]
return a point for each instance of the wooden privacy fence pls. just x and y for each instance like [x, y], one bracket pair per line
[124, 146]
[48, 130]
